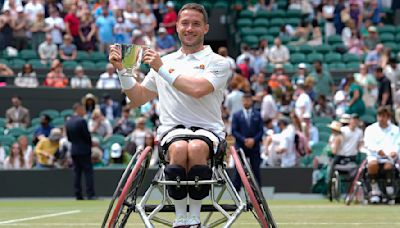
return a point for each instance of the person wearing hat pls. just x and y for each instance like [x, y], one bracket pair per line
[372, 39]
[46, 149]
[309, 130]
[90, 102]
[301, 74]
[352, 136]
[118, 155]
[165, 43]
[336, 138]
[277, 77]
[108, 79]
[170, 18]
[80, 79]
[81, 151]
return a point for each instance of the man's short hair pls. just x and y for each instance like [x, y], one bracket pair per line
[76, 106]
[197, 7]
[384, 110]
[247, 95]
[379, 69]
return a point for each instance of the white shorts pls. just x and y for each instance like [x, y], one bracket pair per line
[380, 160]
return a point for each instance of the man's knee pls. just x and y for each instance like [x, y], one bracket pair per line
[176, 173]
[199, 172]
[198, 151]
[387, 167]
[373, 167]
[177, 152]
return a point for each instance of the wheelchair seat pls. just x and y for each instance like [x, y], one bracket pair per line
[345, 168]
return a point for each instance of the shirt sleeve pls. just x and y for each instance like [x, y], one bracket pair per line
[149, 81]
[217, 73]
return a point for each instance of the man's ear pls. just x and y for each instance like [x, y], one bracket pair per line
[207, 28]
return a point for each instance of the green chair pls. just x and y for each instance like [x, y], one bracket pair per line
[101, 65]
[1, 130]
[6, 140]
[277, 22]
[306, 49]
[297, 58]
[289, 68]
[277, 14]
[397, 38]
[246, 31]
[221, 4]
[307, 161]
[82, 55]
[32, 129]
[50, 112]
[244, 22]
[285, 39]
[261, 22]
[337, 66]
[335, 39]
[88, 65]
[16, 132]
[260, 31]
[66, 112]
[268, 38]
[323, 120]
[318, 148]
[324, 136]
[58, 122]
[392, 45]
[17, 63]
[370, 111]
[323, 48]
[246, 14]
[368, 119]
[36, 63]
[293, 14]
[332, 57]
[3, 122]
[314, 56]
[269, 68]
[387, 37]
[293, 21]
[98, 56]
[28, 54]
[250, 40]
[353, 66]
[348, 57]
[116, 138]
[274, 31]
[293, 48]
[263, 14]
[4, 61]
[386, 29]
[35, 121]
[70, 64]
[339, 47]
[323, 128]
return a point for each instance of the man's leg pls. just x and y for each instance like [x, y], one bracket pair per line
[88, 170]
[255, 161]
[198, 153]
[373, 188]
[177, 169]
[388, 174]
[77, 177]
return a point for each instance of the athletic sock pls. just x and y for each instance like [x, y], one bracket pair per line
[194, 209]
[180, 208]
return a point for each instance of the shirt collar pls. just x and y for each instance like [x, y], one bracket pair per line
[198, 55]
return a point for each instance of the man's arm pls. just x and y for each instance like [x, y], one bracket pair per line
[260, 130]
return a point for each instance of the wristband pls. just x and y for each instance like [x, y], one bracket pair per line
[126, 80]
[163, 72]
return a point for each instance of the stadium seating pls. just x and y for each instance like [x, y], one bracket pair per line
[7, 140]
[52, 113]
[16, 132]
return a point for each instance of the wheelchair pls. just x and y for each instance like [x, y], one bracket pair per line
[342, 176]
[126, 198]
[358, 191]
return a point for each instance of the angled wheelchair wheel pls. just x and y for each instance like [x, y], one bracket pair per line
[259, 204]
[127, 190]
[356, 188]
[335, 187]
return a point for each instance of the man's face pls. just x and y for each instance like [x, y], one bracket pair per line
[247, 102]
[73, 9]
[317, 66]
[277, 42]
[191, 28]
[383, 120]
[353, 122]
[15, 102]
[81, 111]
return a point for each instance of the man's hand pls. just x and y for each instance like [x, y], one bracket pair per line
[249, 143]
[115, 57]
[393, 154]
[381, 153]
[152, 58]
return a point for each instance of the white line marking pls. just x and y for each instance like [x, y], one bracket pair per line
[39, 217]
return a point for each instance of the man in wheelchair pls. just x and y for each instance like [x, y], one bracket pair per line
[381, 141]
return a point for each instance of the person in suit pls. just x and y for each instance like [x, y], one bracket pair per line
[17, 115]
[81, 151]
[247, 128]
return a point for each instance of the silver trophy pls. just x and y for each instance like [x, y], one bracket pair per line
[132, 55]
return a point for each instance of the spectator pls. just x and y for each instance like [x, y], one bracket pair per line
[170, 18]
[38, 29]
[47, 148]
[97, 153]
[27, 151]
[356, 13]
[355, 43]
[56, 26]
[56, 78]
[27, 77]
[233, 101]
[122, 31]
[80, 80]
[323, 80]
[87, 32]
[32, 9]
[302, 33]
[109, 108]
[47, 50]
[323, 108]
[259, 62]
[139, 38]
[223, 51]
[105, 24]
[72, 24]
[316, 34]
[328, 10]
[17, 115]
[356, 104]
[392, 72]
[138, 135]
[373, 39]
[303, 105]
[131, 16]
[124, 126]
[309, 130]
[258, 87]
[6, 31]
[368, 82]
[373, 12]
[68, 50]
[165, 43]
[279, 80]
[347, 32]
[269, 108]
[338, 16]
[20, 28]
[278, 53]
[3, 156]
[246, 53]
[44, 129]
[246, 68]
[148, 21]
[5, 70]
[100, 125]
[263, 48]
[108, 79]
[118, 156]
[300, 76]
[16, 158]
[385, 97]
[90, 103]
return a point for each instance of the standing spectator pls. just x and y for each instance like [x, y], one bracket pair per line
[356, 13]
[373, 59]
[56, 26]
[100, 125]
[32, 9]
[43, 130]
[72, 24]
[87, 32]
[309, 131]
[258, 87]
[269, 109]
[328, 10]
[259, 62]
[356, 104]
[20, 27]
[17, 115]
[233, 102]
[108, 79]
[80, 80]
[47, 50]
[392, 72]
[337, 19]
[6, 31]
[300, 76]
[385, 97]
[138, 136]
[27, 150]
[16, 158]
[148, 21]
[47, 148]
[38, 29]
[323, 108]
[246, 53]
[368, 82]
[316, 34]
[373, 12]
[170, 18]
[278, 53]
[165, 43]
[323, 80]
[56, 78]
[131, 16]
[109, 108]
[303, 105]
[27, 77]
[122, 31]
[247, 128]
[373, 38]
[223, 51]
[105, 24]
[68, 50]
[124, 126]
[81, 150]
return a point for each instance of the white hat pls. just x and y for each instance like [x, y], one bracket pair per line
[170, 4]
[162, 30]
[116, 150]
[302, 66]
[307, 115]
[55, 134]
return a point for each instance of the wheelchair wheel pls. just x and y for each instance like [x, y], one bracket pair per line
[259, 204]
[356, 185]
[335, 186]
[127, 190]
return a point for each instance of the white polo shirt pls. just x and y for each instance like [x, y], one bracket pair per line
[376, 138]
[351, 141]
[178, 108]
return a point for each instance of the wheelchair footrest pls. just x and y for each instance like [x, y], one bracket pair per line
[204, 208]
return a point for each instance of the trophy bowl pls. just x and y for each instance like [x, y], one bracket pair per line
[132, 55]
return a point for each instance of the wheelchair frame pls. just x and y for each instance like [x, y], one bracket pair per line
[126, 194]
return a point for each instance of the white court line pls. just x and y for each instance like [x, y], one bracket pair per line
[39, 217]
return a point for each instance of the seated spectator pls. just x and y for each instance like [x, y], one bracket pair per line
[124, 126]
[302, 33]
[323, 108]
[17, 115]
[373, 59]
[90, 103]
[118, 156]
[68, 50]
[27, 150]
[3, 156]
[27, 77]
[347, 32]
[47, 50]
[139, 134]
[258, 87]
[372, 40]
[278, 79]
[46, 149]
[80, 80]
[109, 108]
[246, 53]
[278, 53]
[44, 129]
[316, 34]
[245, 68]
[165, 43]
[100, 125]
[373, 12]
[16, 158]
[286, 30]
[259, 62]
[368, 82]
[5, 70]
[108, 79]
[355, 43]
[56, 78]
[97, 153]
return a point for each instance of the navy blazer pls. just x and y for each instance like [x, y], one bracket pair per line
[115, 107]
[241, 130]
[79, 136]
